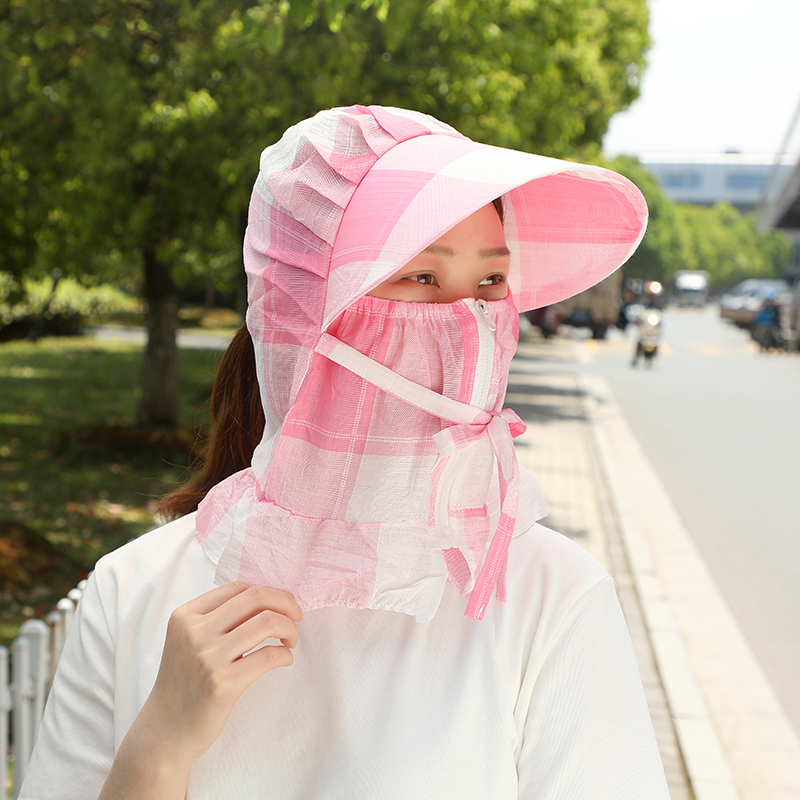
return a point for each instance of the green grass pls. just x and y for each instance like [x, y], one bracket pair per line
[77, 479]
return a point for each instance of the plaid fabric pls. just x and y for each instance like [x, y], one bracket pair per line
[386, 465]
[393, 469]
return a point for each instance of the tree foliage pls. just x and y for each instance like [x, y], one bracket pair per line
[729, 245]
[132, 127]
[544, 75]
[662, 249]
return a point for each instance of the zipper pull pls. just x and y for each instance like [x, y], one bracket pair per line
[484, 309]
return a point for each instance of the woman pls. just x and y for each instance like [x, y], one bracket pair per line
[445, 644]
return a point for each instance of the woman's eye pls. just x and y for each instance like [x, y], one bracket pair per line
[493, 280]
[424, 277]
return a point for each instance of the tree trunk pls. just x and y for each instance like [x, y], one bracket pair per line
[211, 296]
[159, 403]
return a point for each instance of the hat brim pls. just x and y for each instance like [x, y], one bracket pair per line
[567, 225]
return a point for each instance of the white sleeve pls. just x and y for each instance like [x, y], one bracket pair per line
[75, 745]
[587, 731]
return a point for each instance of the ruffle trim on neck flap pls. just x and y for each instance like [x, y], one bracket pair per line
[401, 568]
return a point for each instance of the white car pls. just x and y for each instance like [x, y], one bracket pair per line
[741, 304]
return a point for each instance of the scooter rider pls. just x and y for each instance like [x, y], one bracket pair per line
[649, 323]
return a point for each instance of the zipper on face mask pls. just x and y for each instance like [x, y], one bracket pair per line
[484, 309]
[486, 345]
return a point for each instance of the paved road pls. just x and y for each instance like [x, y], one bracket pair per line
[719, 422]
[193, 339]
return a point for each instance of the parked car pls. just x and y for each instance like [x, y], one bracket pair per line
[742, 303]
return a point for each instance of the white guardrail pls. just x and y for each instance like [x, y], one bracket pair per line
[26, 673]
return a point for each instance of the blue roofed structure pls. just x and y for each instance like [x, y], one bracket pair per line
[704, 179]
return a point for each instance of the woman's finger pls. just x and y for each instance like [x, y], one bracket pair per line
[243, 623]
[258, 663]
[257, 629]
[222, 610]
[249, 603]
[208, 601]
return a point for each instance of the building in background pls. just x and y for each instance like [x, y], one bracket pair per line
[768, 185]
[704, 179]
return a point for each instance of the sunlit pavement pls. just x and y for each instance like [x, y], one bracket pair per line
[717, 420]
[719, 725]
[623, 346]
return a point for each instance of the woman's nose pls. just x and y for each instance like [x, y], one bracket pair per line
[459, 290]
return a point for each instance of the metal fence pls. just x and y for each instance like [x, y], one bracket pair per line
[26, 672]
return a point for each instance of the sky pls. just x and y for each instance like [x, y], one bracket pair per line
[722, 75]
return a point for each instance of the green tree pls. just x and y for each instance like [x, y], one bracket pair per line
[145, 137]
[545, 75]
[665, 243]
[729, 245]
[134, 126]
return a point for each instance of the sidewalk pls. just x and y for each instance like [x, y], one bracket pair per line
[722, 733]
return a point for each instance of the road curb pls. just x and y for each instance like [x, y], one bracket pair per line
[703, 754]
[736, 740]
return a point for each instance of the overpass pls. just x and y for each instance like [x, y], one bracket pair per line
[780, 204]
[783, 211]
[707, 178]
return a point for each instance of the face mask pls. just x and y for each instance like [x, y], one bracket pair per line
[393, 470]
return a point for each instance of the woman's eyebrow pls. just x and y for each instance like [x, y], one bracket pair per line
[494, 252]
[439, 250]
[442, 250]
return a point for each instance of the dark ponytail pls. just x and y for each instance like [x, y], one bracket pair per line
[237, 425]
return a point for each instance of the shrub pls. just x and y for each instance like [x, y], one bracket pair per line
[63, 312]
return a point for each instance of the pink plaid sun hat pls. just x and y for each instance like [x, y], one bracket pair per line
[375, 186]
[567, 225]
[367, 489]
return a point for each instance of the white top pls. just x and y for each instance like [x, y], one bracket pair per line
[541, 699]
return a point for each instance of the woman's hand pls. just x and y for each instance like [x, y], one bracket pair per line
[204, 671]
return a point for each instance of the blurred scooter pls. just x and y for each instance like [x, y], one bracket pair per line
[649, 334]
[768, 328]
